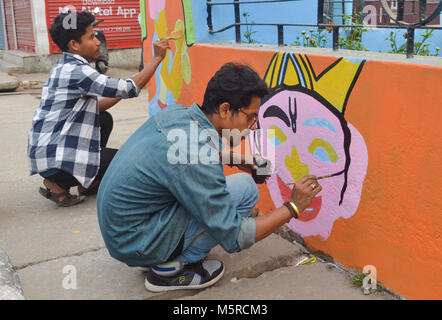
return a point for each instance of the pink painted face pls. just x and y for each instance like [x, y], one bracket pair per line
[309, 137]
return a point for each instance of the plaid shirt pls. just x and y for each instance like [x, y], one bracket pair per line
[65, 131]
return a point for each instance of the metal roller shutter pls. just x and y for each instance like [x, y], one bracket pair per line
[10, 25]
[23, 25]
[121, 26]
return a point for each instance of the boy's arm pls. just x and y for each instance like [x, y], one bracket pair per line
[160, 48]
[143, 77]
[106, 103]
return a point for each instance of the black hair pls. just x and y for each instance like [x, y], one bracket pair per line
[233, 83]
[63, 29]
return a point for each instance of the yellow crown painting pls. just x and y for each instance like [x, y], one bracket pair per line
[334, 83]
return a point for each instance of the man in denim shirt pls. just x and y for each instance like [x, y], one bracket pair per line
[165, 202]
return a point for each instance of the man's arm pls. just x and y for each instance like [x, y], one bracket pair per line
[266, 224]
[302, 196]
[143, 77]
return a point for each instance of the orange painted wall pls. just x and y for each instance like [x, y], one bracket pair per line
[396, 107]
[398, 227]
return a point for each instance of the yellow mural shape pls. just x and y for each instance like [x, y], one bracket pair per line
[181, 68]
[274, 131]
[316, 143]
[335, 84]
[291, 77]
[296, 168]
[186, 68]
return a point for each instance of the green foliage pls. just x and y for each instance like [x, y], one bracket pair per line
[316, 39]
[420, 47]
[358, 279]
[352, 39]
[249, 33]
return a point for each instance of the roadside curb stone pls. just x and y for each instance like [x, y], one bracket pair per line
[10, 286]
[7, 82]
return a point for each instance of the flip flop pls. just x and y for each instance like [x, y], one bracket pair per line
[68, 201]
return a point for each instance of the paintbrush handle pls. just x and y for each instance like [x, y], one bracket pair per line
[319, 178]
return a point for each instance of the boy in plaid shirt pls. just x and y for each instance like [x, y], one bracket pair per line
[70, 128]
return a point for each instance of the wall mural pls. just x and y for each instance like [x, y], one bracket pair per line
[303, 121]
[175, 68]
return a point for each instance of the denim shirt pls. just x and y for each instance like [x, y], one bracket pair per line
[152, 188]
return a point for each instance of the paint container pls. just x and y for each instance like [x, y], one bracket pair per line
[265, 169]
[303, 260]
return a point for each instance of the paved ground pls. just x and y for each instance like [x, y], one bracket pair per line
[59, 252]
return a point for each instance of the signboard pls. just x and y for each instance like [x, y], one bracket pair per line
[121, 25]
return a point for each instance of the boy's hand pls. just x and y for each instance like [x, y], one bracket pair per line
[160, 48]
[304, 190]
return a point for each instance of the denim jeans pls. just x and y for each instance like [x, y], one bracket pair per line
[197, 241]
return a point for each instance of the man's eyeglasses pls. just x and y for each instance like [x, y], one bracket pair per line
[251, 118]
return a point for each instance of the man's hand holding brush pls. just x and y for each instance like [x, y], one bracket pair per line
[304, 191]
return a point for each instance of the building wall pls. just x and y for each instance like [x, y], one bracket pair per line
[363, 119]
[41, 33]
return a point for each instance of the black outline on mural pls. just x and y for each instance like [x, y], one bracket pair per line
[317, 78]
[352, 85]
[336, 112]
[273, 71]
[309, 73]
[185, 29]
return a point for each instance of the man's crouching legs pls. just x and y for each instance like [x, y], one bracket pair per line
[189, 270]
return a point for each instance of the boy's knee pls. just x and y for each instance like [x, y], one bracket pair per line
[106, 119]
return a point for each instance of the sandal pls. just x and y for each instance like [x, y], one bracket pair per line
[92, 190]
[69, 201]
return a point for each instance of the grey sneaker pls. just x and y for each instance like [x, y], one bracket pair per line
[198, 275]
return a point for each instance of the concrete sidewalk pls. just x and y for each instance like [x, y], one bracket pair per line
[59, 252]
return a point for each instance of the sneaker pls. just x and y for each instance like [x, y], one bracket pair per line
[198, 275]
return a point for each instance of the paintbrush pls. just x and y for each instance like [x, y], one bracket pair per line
[321, 177]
